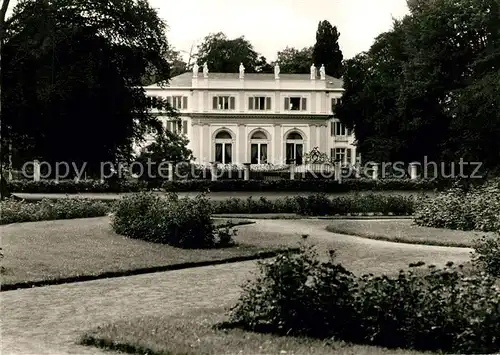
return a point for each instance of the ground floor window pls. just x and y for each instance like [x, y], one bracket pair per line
[294, 148]
[223, 148]
[223, 153]
[258, 153]
[343, 155]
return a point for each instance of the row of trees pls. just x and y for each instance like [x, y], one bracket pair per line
[225, 55]
[430, 86]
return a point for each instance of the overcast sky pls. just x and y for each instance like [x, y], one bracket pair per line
[271, 25]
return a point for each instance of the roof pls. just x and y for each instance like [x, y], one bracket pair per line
[185, 79]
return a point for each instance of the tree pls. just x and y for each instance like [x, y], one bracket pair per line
[294, 61]
[72, 84]
[224, 55]
[4, 190]
[326, 50]
[428, 87]
[262, 66]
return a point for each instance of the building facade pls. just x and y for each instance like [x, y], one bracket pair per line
[235, 118]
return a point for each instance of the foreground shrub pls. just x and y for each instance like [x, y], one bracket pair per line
[477, 208]
[185, 222]
[438, 310]
[15, 211]
[487, 254]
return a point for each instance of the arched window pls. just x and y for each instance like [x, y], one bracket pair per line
[223, 148]
[294, 148]
[258, 148]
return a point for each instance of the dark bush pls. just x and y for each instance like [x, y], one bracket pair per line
[436, 310]
[182, 222]
[470, 208]
[487, 254]
[15, 211]
[320, 205]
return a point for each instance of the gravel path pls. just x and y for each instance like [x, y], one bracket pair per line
[48, 320]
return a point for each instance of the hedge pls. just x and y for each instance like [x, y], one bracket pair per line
[298, 185]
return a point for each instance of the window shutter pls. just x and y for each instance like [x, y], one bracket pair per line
[169, 100]
[304, 104]
[332, 128]
[215, 102]
[169, 126]
[185, 126]
[250, 103]
[287, 103]
[332, 153]
[184, 102]
[349, 155]
[231, 103]
[268, 103]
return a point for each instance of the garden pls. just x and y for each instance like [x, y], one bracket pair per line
[329, 285]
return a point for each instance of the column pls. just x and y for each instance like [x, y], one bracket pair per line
[413, 171]
[277, 143]
[36, 170]
[213, 170]
[292, 171]
[247, 171]
[241, 150]
[375, 171]
[207, 143]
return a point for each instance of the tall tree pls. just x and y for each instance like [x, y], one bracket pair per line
[225, 55]
[294, 61]
[72, 78]
[327, 50]
[428, 87]
[4, 191]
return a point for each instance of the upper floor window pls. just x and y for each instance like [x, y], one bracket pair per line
[259, 103]
[339, 129]
[335, 102]
[178, 102]
[295, 103]
[178, 127]
[223, 103]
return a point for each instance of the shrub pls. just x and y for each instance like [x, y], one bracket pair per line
[185, 222]
[487, 254]
[15, 211]
[437, 310]
[234, 184]
[475, 208]
[319, 205]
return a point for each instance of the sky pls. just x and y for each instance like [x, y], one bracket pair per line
[272, 25]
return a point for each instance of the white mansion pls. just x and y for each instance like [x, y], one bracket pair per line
[234, 118]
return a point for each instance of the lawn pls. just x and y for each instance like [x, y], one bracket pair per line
[48, 250]
[405, 231]
[195, 333]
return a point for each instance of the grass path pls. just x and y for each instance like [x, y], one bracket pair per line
[48, 320]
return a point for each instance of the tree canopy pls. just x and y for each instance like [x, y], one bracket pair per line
[72, 78]
[295, 61]
[429, 87]
[224, 55]
[326, 50]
